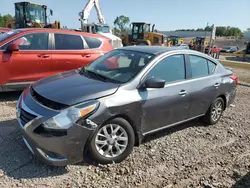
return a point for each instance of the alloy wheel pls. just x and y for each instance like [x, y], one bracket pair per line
[111, 140]
[217, 110]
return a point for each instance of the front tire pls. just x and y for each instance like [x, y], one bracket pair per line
[112, 142]
[215, 111]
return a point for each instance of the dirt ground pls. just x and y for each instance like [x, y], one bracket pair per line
[189, 155]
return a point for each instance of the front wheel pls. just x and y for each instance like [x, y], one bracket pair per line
[215, 111]
[113, 142]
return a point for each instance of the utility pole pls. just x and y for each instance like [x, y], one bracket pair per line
[205, 36]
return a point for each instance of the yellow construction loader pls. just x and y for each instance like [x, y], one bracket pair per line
[143, 34]
[31, 15]
[172, 40]
[198, 43]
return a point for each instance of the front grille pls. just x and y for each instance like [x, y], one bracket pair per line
[26, 117]
[46, 102]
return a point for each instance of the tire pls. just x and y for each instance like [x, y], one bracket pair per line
[209, 118]
[128, 132]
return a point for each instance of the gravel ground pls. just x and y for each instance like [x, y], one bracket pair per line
[244, 74]
[190, 155]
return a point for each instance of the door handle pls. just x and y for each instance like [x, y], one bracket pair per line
[183, 92]
[87, 55]
[216, 84]
[43, 56]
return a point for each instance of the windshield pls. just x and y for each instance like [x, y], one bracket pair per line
[35, 13]
[8, 34]
[118, 66]
[103, 29]
[147, 28]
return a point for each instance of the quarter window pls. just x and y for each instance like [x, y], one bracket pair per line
[34, 41]
[211, 66]
[199, 66]
[68, 42]
[93, 42]
[169, 69]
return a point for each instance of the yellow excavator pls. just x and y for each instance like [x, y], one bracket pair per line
[143, 34]
[31, 15]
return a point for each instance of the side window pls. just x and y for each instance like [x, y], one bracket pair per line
[169, 69]
[68, 42]
[93, 42]
[211, 66]
[199, 66]
[34, 41]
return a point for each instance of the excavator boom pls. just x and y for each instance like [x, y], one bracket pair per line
[84, 15]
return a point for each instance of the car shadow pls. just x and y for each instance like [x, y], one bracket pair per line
[243, 182]
[193, 123]
[16, 160]
[9, 96]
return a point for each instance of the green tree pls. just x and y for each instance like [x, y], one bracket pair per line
[121, 23]
[1, 21]
[7, 18]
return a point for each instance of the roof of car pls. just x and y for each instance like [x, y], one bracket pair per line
[61, 31]
[151, 49]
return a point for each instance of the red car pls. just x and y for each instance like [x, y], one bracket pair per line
[27, 55]
[4, 30]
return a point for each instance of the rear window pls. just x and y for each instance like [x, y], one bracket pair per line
[93, 42]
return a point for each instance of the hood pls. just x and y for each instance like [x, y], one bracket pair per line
[71, 88]
[110, 36]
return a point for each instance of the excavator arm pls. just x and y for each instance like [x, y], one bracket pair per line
[86, 12]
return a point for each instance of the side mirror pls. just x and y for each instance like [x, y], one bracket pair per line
[154, 83]
[12, 48]
[51, 12]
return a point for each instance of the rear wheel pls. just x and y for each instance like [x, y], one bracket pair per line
[215, 111]
[113, 142]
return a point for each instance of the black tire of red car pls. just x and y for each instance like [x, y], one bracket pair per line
[98, 158]
[208, 119]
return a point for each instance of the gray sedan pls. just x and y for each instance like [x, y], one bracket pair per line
[104, 112]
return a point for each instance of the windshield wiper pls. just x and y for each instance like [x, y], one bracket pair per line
[96, 75]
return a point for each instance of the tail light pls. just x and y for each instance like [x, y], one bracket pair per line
[235, 78]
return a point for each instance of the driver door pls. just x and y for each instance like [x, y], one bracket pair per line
[165, 106]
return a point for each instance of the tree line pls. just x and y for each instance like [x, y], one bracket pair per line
[122, 22]
[4, 19]
[220, 31]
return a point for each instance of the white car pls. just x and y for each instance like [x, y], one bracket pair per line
[183, 46]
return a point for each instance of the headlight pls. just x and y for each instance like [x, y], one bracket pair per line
[68, 117]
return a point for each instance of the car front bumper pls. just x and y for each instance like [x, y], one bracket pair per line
[52, 150]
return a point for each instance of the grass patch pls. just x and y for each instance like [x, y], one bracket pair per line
[236, 65]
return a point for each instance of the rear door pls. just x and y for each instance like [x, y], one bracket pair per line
[204, 84]
[70, 52]
[30, 63]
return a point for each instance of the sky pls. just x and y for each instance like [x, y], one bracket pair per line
[165, 14]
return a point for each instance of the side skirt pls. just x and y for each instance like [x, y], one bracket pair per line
[171, 125]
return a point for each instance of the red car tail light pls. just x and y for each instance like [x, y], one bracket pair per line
[235, 78]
